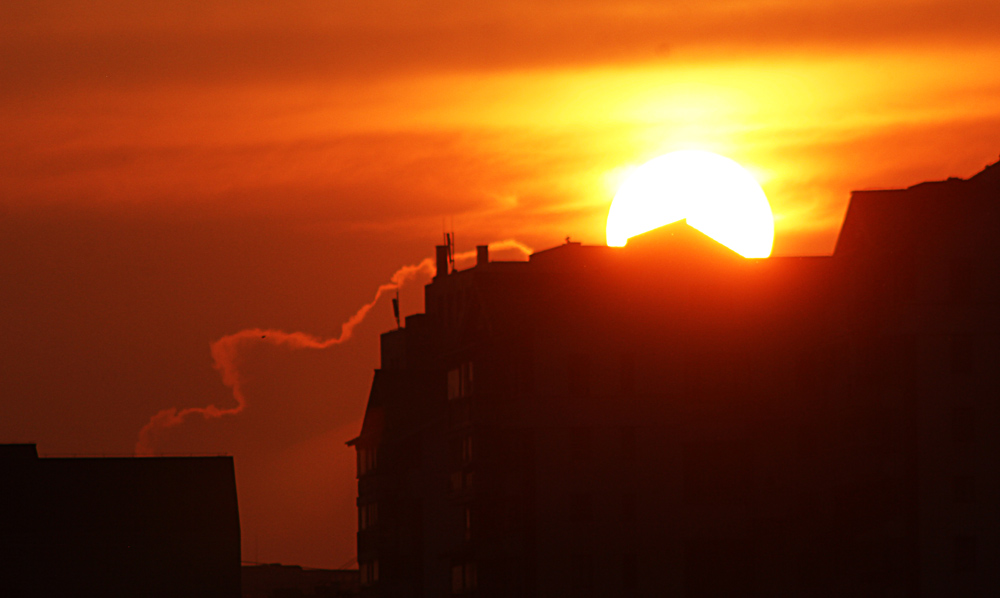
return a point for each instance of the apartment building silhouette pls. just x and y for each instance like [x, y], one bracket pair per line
[671, 419]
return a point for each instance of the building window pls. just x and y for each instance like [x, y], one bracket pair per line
[463, 578]
[454, 384]
[460, 381]
[468, 523]
[460, 451]
[467, 450]
[581, 507]
[367, 460]
[467, 386]
[581, 444]
[368, 571]
[461, 480]
[471, 580]
[367, 516]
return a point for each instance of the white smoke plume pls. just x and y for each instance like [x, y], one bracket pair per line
[226, 350]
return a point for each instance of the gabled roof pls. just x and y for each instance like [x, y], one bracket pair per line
[680, 239]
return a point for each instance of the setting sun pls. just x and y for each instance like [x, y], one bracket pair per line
[715, 194]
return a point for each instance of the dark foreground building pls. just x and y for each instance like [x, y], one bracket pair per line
[671, 419]
[117, 527]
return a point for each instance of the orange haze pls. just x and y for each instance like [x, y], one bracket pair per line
[174, 173]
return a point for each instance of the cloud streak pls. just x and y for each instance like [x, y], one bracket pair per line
[226, 351]
[128, 44]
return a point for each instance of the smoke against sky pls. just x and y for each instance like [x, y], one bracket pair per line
[226, 351]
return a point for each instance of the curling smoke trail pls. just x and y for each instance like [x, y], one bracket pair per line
[226, 350]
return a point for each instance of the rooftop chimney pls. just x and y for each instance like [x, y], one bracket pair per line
[442, 261]
[482, 255]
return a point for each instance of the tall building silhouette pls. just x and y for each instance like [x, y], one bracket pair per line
[671, 419]
[159, 527]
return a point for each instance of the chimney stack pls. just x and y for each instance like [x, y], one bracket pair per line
[442, 261]
[482, 255]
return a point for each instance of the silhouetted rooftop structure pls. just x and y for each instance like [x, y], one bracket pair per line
[118, 527]
[669, 418]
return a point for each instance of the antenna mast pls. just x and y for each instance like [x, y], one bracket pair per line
[395, 308]
[449, 240]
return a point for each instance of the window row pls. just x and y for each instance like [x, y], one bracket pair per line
[367, 460]
[461, 481]
[463, 578]
[460, 382]
[461, 451]
[367, 516]
[368, 571]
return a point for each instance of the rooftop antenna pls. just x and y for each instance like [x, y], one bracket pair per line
[449, 240]
[395, 308]
[447, 244]
[451, 253]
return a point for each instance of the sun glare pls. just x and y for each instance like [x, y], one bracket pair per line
[715, 194]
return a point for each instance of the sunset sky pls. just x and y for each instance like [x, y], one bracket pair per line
[174, 172]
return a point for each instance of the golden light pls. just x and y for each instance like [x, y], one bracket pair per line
[715, 194]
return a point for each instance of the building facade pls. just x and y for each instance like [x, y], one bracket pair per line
[669, 418]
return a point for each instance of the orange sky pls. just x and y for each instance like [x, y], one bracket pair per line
[177, 171]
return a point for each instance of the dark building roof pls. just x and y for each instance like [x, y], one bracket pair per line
[925, 219]
[118, 527]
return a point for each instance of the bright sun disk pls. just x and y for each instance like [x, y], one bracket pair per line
[715, 194]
